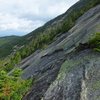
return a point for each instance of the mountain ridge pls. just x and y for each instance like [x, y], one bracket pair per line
[60, 61]
[61, 26]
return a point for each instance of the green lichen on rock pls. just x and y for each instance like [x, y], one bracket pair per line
[66, 67]
[96, 85]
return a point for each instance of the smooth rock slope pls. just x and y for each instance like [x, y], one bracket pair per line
[62, 72]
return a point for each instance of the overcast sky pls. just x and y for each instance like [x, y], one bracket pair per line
[19, 17]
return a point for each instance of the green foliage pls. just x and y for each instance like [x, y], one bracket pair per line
[8, 67]
[10, 62]
[17, 72]
[13, 87]
[95, 42]
[16, 58]
[38, 43]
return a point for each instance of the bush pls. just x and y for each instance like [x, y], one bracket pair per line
[13, 87]
[95, 42]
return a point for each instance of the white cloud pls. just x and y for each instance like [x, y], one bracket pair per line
[26, 15]
[10, 22]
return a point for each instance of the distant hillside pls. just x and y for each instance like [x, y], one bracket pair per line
[7, 39]
[7, 44]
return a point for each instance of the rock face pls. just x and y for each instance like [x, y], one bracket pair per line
[62, 72]
[78, 78]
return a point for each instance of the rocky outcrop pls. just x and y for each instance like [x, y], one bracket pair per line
[77, 78]
[62, 73]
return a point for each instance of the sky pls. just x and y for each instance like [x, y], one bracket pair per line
[19, 17]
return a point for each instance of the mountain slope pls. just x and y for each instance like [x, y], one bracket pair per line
[51, 29]
[62, 58]
[70, 53]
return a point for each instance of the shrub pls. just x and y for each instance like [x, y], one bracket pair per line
[95, 42]
[13, 87]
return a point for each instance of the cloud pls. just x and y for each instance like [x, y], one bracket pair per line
[24, 16]
[10, 22]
